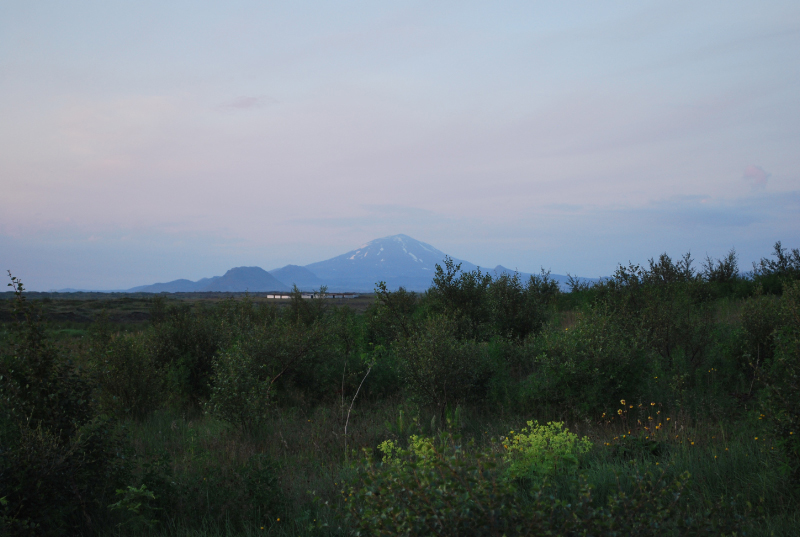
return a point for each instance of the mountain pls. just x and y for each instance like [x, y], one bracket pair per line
[398, 260]
[304, 279]
[254, 279]
[239, 279]
[175, 286]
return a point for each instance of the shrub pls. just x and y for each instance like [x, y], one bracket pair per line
[760, 317]
[518, 310]
[391, 316]
[53, 486]
[247, 376]
[136, 506]
[585, 368]
[58, 463]
[541, 450]
[781, 377]
[463, 296]
[667, 305]
[439, 487]
[241, 392]
[130, 383]
[185, 340]
[437, 368]
[430, 490]
[39, 386]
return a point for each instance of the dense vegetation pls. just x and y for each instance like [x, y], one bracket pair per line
[661, 401]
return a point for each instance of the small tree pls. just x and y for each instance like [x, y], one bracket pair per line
[391, 316]
[438, 369]
[461, 295]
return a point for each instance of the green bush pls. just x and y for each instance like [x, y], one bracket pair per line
[586, 368]
[760, 317]
[430, 490]
[781, 376]
[667, 305]
[541, 450]
[129, 381]
[391, 316]
[54, 486]
[439, 487]
[249, 375]
[241, 391]
[462, 296]
[58, 462]
[518, 310]
[185, 340]
[438, 369]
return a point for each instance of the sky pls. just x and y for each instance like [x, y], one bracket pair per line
[145, 141]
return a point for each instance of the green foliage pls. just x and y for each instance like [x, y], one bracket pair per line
[772, 273]
[668, 306]
[307, 311]
[518, 310]
[129, 381]
[635, 447]
[58, 462]
[246, 376]
[781, 377]
[541, 450]
[439, 487]
[184, 341]
[430, 490]
[785, 264]
[53, 486]
[462, 296]
[760, 317]
[37, 385]
[242, 389]
[588, 367]
[437, 368]
[136, 506]
[725, 270]
[391, 316]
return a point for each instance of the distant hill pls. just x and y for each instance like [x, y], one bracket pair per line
[175, 286]
[399, 260]
[297, 275]
[239, 279]
[254, 279]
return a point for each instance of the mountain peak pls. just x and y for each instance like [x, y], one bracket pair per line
[304, 279]
[254, 279]
[396, 259]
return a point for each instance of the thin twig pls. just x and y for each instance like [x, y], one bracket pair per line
[351, 408]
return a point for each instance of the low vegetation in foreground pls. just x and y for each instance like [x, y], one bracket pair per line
[661, 401]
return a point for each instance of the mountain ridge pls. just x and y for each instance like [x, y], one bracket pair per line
[398, 260]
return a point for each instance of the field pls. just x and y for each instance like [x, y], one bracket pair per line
[662, 401]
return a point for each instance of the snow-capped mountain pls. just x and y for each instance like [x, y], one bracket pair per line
[398, 260]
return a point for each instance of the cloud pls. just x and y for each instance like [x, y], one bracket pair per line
[245, 103]
[756, 176]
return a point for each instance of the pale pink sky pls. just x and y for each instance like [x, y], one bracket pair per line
[153, 141]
